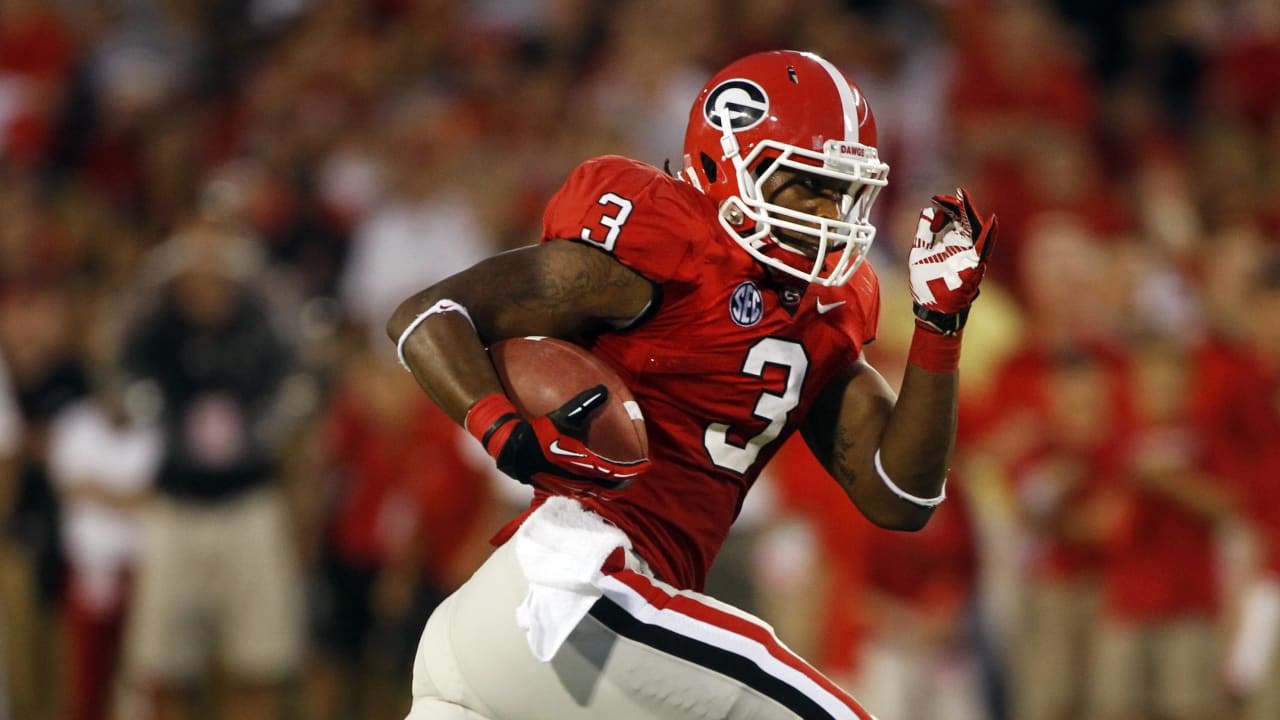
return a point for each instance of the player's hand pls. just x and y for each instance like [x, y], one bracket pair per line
[948, 259]
[546, 451]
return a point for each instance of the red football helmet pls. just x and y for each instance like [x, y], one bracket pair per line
[796, 111]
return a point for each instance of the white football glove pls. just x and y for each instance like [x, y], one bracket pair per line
[948, 259]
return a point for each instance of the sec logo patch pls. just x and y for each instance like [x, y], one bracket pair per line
[746, 305]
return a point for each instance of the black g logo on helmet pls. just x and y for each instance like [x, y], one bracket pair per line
[743, 102]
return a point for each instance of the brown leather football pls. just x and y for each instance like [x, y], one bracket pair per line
[540, 374]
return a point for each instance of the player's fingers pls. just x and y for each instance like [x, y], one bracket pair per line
[928, 225]
[947, 210]
[984, 232]
[939, 221]
[970, 211]
[987, 240]
[948, 204]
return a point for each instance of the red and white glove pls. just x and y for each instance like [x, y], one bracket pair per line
[948, 259]
[546, 451]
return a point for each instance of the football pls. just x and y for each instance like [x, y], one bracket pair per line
[540, 374]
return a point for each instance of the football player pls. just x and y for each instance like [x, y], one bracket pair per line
[735, 300]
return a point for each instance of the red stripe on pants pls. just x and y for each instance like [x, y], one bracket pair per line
[690, 607]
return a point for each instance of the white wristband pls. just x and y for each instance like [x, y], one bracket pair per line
[914, 500]
[442, 306]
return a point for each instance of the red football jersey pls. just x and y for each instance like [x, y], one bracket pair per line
[724, 368]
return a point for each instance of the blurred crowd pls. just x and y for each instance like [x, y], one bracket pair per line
[220, 494]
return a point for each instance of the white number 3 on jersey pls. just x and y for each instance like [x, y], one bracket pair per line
[612, 222]
[786, 354]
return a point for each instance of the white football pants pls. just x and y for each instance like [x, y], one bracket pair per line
[645, 650]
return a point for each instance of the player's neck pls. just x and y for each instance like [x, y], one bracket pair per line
[790, 290]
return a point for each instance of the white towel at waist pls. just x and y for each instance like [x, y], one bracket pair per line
[561, 548]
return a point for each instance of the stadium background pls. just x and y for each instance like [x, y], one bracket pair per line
[1120, 410]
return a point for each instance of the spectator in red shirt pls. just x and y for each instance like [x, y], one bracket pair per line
[1066, 499]
[1158, 649]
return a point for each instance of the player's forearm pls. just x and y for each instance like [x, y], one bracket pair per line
[443, 351]
[915, 450]
[860, 418]
[902, 472]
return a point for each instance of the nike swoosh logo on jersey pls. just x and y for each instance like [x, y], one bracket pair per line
[555, 449]
[824, 309]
